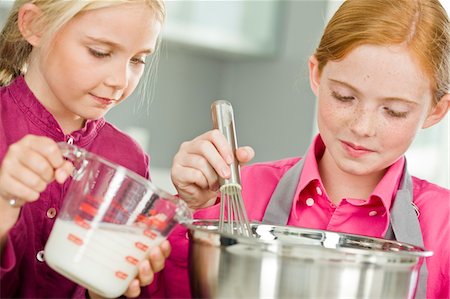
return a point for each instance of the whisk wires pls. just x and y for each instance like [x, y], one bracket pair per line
[232, 206]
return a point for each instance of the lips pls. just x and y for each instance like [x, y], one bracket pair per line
[355, 150]
[103, 101]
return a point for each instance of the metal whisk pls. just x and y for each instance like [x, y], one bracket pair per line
[231, 204]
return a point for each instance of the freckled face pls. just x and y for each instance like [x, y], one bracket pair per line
[371, 105]
[95, 60]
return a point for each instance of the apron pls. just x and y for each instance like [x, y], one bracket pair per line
[403, 225]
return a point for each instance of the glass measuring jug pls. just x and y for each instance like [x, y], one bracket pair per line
[110, 219]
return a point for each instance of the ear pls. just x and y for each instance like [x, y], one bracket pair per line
[314, 75]
[28, 13]
[438, 111]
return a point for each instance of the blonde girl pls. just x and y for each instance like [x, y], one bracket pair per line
[63, 65]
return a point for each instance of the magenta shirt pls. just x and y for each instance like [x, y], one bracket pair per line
[23, 271]
[313, 209]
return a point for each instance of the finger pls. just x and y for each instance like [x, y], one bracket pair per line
[37, 163]
[184, 177]
[15, 203]
[202, 169]
[245, 154]
[12, 188]
[166, 248]
[220, 143]
[134, 289]
[156, 259]
[29, 178]
[63, 172]
[208, 151]
[146, 272]
[48, 148]
[14, 169]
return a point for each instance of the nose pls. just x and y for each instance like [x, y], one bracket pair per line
[118, 76]
[364, 122]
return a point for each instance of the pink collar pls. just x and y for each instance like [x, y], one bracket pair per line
[384, 191]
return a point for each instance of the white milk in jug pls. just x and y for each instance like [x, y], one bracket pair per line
[103, 259]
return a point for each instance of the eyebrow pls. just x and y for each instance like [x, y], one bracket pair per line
[115, 45]
[354, 89]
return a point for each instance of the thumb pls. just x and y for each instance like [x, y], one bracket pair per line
[63, 172]
[244, 154]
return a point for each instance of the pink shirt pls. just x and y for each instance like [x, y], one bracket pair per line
[23, 271]
[313, 209]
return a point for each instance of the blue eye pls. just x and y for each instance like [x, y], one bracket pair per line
[98, 54]
[341, 97]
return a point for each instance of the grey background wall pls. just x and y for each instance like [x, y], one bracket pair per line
[271, 96]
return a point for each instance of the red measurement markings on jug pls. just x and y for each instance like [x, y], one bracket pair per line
[81, 222]
[121, 275]
[116, 213]
[87, 208]
[75, 239]
[141, 246]
[150, 233]
[142, 219]
[132, 260]
[94, 198]
[153, 221]
[119, 207]
[114, 204]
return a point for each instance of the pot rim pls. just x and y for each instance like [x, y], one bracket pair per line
[329, 240]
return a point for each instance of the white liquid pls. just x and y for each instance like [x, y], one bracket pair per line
[103, 259]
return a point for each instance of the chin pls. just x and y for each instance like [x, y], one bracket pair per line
[93, 116]
[355, 168]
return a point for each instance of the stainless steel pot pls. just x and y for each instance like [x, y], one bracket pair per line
[289, 262]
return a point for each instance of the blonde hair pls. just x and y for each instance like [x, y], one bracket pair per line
[15, 50]
[422, 25]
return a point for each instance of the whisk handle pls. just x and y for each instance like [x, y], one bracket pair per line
[223, 120]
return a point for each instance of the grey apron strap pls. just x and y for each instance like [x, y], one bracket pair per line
[280, 204]
[404, 226]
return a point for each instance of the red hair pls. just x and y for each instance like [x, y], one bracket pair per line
[422, 25]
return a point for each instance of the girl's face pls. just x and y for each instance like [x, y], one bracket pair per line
[370, 107]
[94, 62]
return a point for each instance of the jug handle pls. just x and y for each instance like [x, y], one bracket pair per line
[72, 152]
[75, 155]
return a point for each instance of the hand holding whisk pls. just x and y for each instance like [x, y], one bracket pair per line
[231, 204]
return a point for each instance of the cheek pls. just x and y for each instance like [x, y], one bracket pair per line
[332, 115]
[71, 62]
[398, 135]
[132, 84]
[134, 78]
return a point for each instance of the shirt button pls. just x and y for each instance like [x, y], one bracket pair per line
[373, 213]
[309, 202]
[51, 213]
[318, 190]
[40, 256]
